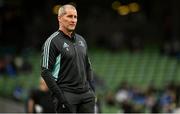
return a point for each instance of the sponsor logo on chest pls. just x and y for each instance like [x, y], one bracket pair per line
[66, 46]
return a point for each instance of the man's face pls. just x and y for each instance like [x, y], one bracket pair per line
[68, 21]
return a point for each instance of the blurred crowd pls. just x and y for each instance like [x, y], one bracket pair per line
[132, 99]
[11, 65]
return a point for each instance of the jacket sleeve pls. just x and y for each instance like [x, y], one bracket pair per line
[49, 54]
[89, 72]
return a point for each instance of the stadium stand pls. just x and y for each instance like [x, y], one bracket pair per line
[140, 69]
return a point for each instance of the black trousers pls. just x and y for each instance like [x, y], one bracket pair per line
[77, 103]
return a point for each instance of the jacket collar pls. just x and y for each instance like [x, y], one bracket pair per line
[72, 38]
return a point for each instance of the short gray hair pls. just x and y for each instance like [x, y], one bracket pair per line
[62, 10]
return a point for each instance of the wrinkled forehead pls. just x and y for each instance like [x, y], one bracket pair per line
[70, 11]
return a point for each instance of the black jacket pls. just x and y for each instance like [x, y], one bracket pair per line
[65, 64]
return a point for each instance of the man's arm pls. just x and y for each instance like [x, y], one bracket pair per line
[53, 87]
[49, 54]
[30, 102]
[89, 73]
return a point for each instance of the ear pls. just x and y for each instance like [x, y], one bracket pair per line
[59, 18]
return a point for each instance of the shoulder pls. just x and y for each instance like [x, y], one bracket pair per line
[33, 93]
[79, 37]
[52, 37]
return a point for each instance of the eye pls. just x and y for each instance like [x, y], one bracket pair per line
[75, 16]
[72, 16]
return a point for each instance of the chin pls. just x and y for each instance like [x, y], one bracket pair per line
[71, 30]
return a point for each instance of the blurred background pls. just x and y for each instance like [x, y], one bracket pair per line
[134, 47]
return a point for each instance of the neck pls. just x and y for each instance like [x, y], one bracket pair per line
[68, 33]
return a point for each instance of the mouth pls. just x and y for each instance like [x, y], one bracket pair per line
[72, 25]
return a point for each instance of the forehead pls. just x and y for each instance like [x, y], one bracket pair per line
[70, 11]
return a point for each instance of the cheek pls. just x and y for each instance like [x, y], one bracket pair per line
[64, 21]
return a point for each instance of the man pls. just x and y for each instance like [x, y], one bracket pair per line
[39, 100]
[65, 66]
